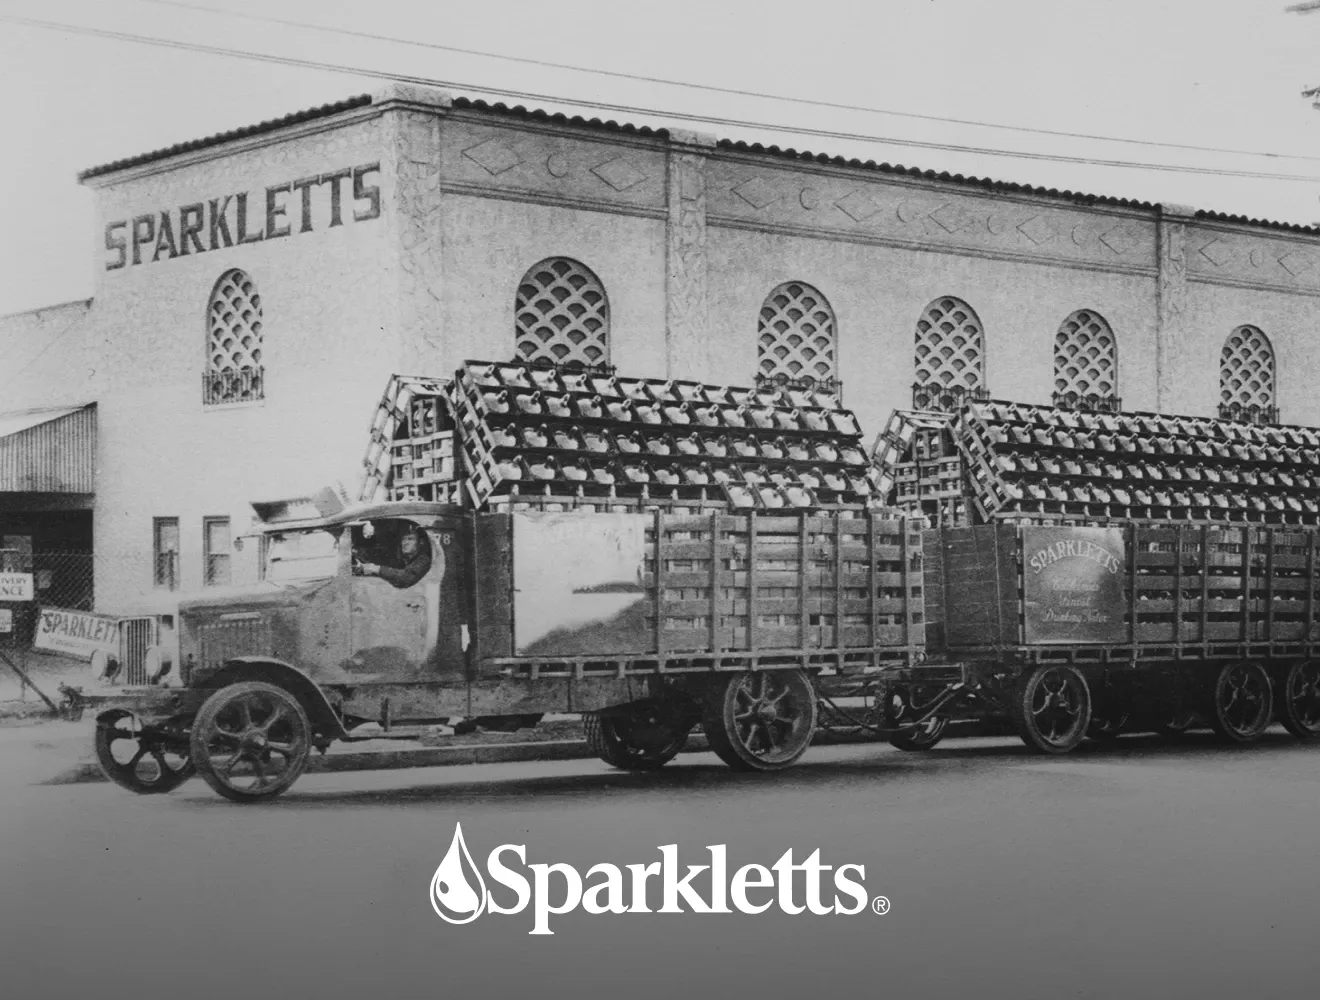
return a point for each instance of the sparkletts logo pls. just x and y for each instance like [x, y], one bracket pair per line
[459, 892]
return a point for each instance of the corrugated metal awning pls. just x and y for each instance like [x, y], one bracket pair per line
[48, 450]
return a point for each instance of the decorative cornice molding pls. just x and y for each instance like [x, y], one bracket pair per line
[871, 239]
[555, 201]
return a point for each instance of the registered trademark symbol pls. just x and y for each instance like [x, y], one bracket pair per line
[880, 904]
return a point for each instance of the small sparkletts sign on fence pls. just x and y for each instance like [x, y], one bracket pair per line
[1073, 585]
[15, 586]
[77, 632]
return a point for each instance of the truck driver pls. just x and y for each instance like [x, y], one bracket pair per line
[414, 560]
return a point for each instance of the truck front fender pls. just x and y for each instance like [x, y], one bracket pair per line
[325, 720]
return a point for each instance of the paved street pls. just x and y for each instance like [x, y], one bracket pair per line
[1139, 869]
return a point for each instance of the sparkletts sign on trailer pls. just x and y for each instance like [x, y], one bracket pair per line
[1073, 583]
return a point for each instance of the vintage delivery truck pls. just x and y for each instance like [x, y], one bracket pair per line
[660, 556]
[656, 555]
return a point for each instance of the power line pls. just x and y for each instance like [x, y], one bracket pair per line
[627, 109]
[734, 91]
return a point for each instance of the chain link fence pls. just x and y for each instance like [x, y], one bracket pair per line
[59, 580]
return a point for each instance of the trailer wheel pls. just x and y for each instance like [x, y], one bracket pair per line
[251, 741]
[143, 759]
[761, 721]
[1299, 709]
[1241, 702]
[1172, 722]
[634, 742]
[1108, 726]
[1052, 709]
[921, 737]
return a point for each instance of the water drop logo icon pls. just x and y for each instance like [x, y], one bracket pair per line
[458, 892]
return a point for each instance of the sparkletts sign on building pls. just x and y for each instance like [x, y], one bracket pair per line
[283, 209]
[1073, 585]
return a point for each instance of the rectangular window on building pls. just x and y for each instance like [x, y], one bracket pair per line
[165, 545]
[216, 548]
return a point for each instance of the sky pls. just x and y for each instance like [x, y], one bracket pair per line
[1214, 74]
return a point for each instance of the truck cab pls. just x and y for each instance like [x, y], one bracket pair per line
[362, 593]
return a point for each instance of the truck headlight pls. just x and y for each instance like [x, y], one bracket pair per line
[104, 666]
[158, 663]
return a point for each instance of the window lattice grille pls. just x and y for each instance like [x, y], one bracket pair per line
[1085, 357]
[950, 346]
[1246, 370]
[234, 341]
[561, 315]
[796, 334]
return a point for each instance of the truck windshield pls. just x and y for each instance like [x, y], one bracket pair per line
[303, 555]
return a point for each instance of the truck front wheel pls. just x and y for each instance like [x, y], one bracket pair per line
[251, 741]
[760, 721]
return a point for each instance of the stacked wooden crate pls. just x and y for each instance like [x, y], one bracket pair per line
[517, 436]
[530, 434]
[410, 448]
[919, 466]
[1030, 463]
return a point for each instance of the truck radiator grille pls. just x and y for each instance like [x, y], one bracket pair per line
[136, 635]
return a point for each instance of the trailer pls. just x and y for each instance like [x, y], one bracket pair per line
[1096, 572]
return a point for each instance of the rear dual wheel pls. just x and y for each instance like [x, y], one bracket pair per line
[761, 721]
[642, 739]
[922, 735]
[1299, 700]
[1052, 709]
[1241, 702]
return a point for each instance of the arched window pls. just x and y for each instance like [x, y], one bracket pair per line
[950, 355]
[561, 315]
[1246, 377]
[234, 372]
[795, 335]
[1085, 362]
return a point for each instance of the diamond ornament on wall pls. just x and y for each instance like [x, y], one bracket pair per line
[857, 205]
[756, 193]
[619, 174]
[493, 156]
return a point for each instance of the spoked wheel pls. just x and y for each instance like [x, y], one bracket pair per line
[921, 736]
[1299, 708]
[149, 760]
[1108, 726]
[1241, 702]
[761, 721]
[251, 741]
[1173, 721]
[642, 740]
[1052, 709]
